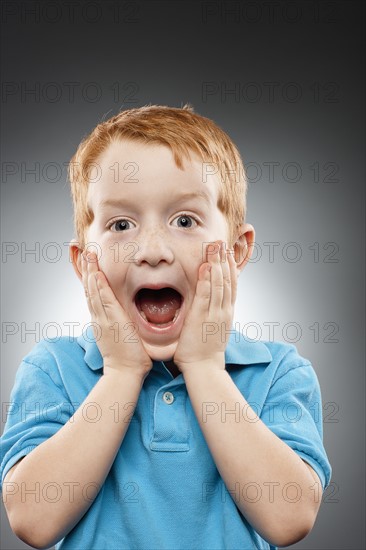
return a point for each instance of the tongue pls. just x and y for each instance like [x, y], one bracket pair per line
[160, 305]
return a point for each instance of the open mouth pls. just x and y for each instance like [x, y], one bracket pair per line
[159, 307]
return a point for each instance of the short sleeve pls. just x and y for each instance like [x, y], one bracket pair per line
[37, 409]
[293, 411]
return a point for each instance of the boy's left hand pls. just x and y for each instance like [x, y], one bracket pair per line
[205, 331]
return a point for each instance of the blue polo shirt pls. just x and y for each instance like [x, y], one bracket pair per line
[163, 490]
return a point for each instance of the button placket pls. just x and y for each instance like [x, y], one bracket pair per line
[170, 424]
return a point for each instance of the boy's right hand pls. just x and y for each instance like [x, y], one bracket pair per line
[118, 342]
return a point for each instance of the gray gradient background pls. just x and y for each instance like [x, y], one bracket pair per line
[169, 51]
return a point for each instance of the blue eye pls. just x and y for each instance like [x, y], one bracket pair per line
[120, 224]
[186, 220]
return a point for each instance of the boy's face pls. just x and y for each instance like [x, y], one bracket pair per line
[151, 235]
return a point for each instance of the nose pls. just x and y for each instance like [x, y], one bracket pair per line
[153, 247]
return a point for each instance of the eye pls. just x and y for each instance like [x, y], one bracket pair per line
[186, 220]
[120, 225]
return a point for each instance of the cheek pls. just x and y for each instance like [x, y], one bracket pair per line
[113, 269]
[191, 264]
[197, 254]
[193, 259]
[196, 257]
[116, 282]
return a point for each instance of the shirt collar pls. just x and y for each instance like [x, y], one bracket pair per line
[240, 350]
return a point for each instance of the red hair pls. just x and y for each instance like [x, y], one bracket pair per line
[183, 131]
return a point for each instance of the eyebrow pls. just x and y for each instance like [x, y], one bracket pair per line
[178, 198]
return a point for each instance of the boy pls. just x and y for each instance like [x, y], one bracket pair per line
[164, 428]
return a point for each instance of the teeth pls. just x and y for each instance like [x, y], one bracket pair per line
[142, 313]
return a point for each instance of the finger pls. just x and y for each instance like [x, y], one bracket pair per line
[233, 276]
[210, 250]
[84, 272]
[217, 284]
[94, 294]
[203, 289]
[112, 308]
[226, 276]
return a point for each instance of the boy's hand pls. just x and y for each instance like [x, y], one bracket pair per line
[205, 332]
[118, 341]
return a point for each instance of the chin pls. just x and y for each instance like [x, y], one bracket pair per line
[161, 353]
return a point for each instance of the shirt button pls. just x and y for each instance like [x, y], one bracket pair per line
[168, 397]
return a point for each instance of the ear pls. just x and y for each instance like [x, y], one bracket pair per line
[243, 247]
[75, 257]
